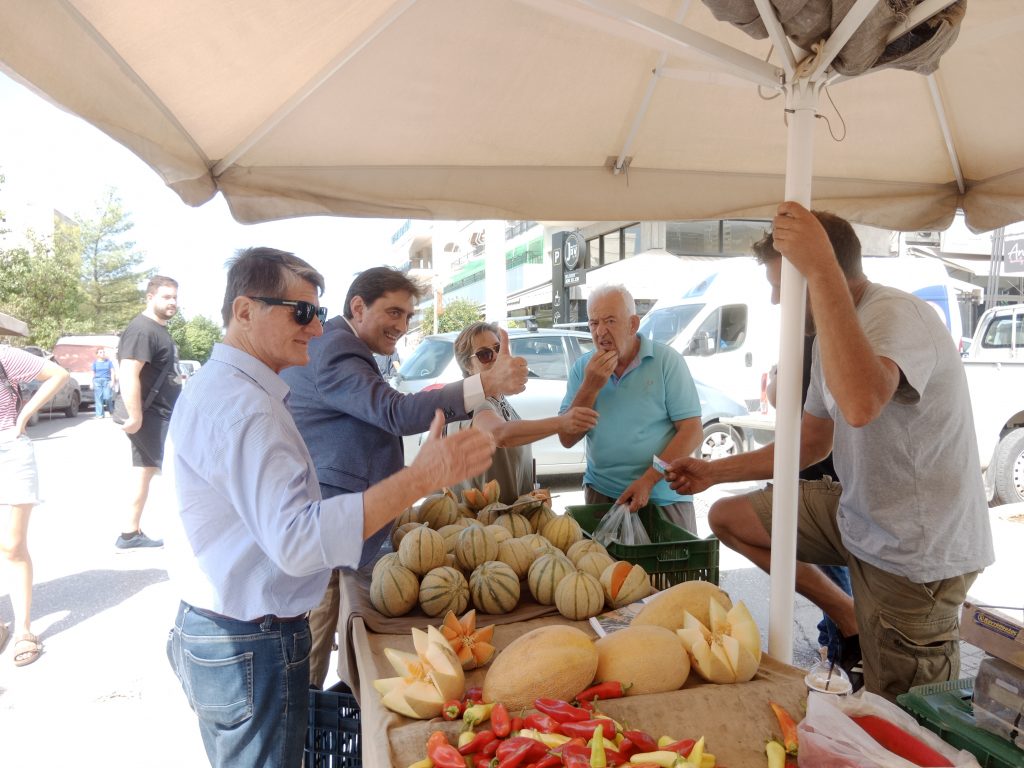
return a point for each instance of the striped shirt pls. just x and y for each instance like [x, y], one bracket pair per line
[20, 367]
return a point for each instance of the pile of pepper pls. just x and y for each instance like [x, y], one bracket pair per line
[559, 733]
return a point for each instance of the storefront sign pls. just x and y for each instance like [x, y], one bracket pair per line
[1013, 255]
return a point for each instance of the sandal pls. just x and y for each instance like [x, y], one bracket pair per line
[26, 649]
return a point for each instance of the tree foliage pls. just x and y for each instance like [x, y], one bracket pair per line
[454, 316]
[195, 338]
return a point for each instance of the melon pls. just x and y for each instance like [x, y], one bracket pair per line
[624, 583]
[582, 547]
[410, 515]
[474, 546]
[647, 658]
[394, 590]
[517, 525]
[391, 558]
[494, 587]
[490, 513]
[555, 661]
[668, 607]
[539, 544]
[439, 510]
[594, 563]
[518, 555]
[450, 534]
[545, 574]
[444, 589]
[500, 532]
[472, 646]
[421, 550]
[579, 596]
[399, 531]
[563, 532]
[540, 517]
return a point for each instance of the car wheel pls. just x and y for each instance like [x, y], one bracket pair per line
[1009, 466]
[720, 440]
[74, 405]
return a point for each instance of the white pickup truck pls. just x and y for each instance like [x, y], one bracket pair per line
[995, 374]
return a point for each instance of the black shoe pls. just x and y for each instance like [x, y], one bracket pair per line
[851, 660]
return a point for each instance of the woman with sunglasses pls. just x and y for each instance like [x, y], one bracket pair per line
[476, 349]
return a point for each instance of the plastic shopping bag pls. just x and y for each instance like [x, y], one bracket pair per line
[828, 737]
[621, 526]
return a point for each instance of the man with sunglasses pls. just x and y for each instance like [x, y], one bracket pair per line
[353, 421]
[257, 542]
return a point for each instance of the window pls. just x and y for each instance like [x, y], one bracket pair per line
[999, 333]
[545, 356]
[663, 325]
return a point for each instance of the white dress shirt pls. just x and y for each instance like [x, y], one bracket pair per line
[255, 537]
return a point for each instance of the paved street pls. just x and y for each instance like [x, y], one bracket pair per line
[103, 688]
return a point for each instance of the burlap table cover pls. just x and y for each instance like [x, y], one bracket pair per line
[735, 719]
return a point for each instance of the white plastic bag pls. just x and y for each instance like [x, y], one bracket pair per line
[828, 737]
[621, 526]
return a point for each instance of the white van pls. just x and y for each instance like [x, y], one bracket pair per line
[77, 354]
[728, 330]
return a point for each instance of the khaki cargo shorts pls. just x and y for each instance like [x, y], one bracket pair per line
[909, 632]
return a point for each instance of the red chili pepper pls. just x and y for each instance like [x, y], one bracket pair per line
[576, 756]
[682, 747]
[501, 723]
[898, 741]
[491, 747]
[443, 754]
[790, 739]
[475, 694]
[538, 721]
[452, 709]
[614, 758]
[562, 711]
[482, 761]
[611, 689]
[572, 743]
[549, 761]
[517, 724]
[586, 728]
[587, 706]
[644, 741]
[627, 748]
[518, 750]
[482, 739]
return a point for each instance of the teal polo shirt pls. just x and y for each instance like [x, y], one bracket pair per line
[637, 413]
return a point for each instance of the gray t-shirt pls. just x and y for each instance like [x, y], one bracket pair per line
[512, 467]
[913, 500]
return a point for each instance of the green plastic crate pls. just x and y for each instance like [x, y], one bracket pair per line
[674, 554]
[945, 708]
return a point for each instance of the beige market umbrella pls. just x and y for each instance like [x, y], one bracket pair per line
[555, 110]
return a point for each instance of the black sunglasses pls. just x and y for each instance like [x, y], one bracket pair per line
[487, 354]
[304, 311]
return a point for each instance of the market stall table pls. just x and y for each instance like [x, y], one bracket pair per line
[735, 719]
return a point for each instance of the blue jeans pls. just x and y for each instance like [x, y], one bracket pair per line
[828, 633]
[248, 683]
[102, 393]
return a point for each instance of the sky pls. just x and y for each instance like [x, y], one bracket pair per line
[52, 159]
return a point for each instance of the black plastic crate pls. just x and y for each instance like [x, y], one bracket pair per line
[332, 739]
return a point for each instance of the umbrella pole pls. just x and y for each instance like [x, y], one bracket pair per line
[801, 101]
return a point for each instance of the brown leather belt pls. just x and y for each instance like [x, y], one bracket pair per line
[263, 619]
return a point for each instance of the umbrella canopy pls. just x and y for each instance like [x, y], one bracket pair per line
[520, 109]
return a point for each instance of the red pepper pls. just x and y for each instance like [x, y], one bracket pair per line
[442, 754]
[790, 739]
[576, 756]
[586, 728]
[644, 741]
[548, 762]
[517, 724]
[611, 689]
[482, 761]
[682, 747]
[491, 747]
[518, 750]
[562, 711]
[614, 758]
[572, 743]
[898, 741]
[627, 748]
[482, 739]
[587, 706]
[501, 723]
[452, 709]
[538, 721]
[475, 694]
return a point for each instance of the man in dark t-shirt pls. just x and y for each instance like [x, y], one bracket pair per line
[149, 389]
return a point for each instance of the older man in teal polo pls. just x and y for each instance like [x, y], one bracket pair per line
[647, 405]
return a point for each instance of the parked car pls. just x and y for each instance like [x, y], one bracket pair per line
[550, 354]
[68, 399]
[77, 353]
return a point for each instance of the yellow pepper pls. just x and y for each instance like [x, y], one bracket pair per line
[707, 761]
[465, 737]
[426, 762]
[477, 714]
[598, 759]
[697, 752]
[664, 741]
[662, 757]
[776, 754]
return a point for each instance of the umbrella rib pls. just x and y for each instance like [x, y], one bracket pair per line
[842, 34]
[925, 10]
[947, 134]
[396, 11]
[777, 35]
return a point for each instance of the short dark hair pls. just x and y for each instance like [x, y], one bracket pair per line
[264, 272]
[160, 281]
[373, 283]
[840, 233]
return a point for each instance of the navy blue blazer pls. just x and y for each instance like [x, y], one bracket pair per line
[352, 420]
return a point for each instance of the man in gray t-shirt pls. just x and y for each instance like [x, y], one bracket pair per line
[889, 397]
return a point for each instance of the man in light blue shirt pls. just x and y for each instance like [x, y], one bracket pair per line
[256, 542]
[647, 405]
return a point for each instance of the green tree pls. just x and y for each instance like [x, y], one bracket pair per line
[454, 316]
[195, 338]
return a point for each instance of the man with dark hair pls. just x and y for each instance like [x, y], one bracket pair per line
[889, 398]
[353, 421]
[257, 542]
[149, 389]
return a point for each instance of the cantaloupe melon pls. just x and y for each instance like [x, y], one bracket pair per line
[439, 510]
[399, 531]
[499, 532]
[648, 658]
[394, 591]
[582, 547]
[667, 608]
[444, 589]
[624, 583]
[579, 596]
[410, 515]
[555, 661]
[517, 525]
[421, 550]
[540, 517]
[384, 561]
[545, 574]
[594, 563]
[539, 544]
[494, 587]
[490, 513]
[563, 532]
[517, 554]
[475, 545]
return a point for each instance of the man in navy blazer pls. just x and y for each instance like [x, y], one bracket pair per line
[353, 421]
